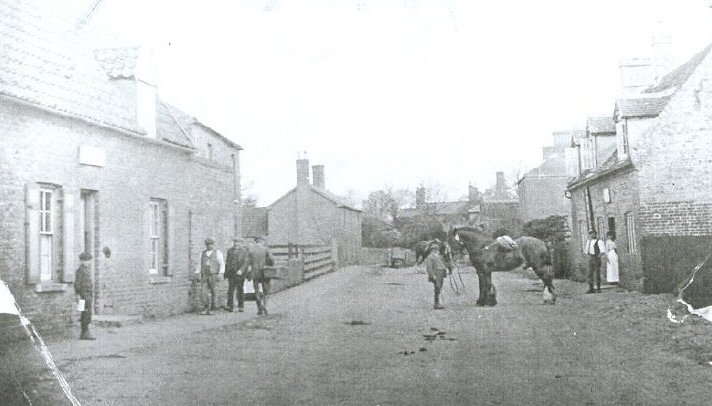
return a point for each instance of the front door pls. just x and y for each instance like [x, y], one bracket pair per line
[89, 243]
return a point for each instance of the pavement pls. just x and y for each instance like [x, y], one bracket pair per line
[369, 336]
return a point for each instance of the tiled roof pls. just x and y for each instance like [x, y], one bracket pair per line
[440, 208]
[46, 62]
[334, 199]
[653, 100]
[118, 63]
[677, 77]
[600, 125]
[641, 106]
[322, 192]
[169, 127]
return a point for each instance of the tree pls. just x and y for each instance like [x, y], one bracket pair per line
[385, 204]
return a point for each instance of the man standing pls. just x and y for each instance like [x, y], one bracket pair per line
[235, 275]
[436, 272]
[595, 251]
[84, 290]
[211, 265]
[258, 258]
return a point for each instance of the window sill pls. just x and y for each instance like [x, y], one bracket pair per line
[157, 280]
[50, 287]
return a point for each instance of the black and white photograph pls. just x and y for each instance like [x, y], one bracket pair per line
[355, 202]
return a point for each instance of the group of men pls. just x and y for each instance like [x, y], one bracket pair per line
[245, 261]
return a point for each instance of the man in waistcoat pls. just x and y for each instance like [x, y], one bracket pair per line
[235, 275]
[595, 250]
[211, 265]
[84, 290]
[258, 258]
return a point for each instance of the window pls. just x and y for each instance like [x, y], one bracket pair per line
[46, 236]
[630, 232]
[601, 228]
[158, 237]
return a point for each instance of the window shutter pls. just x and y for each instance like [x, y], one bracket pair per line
[32, 230]
[68, 251]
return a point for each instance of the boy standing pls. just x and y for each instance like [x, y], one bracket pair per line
[84, 290]
[436, 273]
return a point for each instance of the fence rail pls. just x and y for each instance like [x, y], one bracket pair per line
[317, 258]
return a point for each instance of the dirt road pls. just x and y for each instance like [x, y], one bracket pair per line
[357, 337]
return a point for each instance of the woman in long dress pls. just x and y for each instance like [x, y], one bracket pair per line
[612, 258]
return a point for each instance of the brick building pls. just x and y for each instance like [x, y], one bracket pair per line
[496, 209]
[309, 214]
[91, 157]
[653, 190]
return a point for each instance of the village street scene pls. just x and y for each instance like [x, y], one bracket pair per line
[363, 203]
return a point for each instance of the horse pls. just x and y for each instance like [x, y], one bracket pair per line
[487, 255]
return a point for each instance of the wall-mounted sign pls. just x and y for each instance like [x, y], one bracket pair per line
[606, 195]
[93, 156]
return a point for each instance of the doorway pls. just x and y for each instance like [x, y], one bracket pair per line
[89, 227]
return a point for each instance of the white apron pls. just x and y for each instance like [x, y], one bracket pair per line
[612, 262]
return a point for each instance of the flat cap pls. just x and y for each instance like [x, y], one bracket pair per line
[209, 241]
[85, 256]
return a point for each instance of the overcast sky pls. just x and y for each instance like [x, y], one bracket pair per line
[397, 92]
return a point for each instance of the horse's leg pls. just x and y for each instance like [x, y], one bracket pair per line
[482, 281]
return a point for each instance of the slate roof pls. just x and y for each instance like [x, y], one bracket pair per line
[322, 192]
[600, 125]
[46, 62]
[169, 127]
[651, 101]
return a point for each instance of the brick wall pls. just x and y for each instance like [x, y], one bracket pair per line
[623, 189]
[315, 220]
[41, 147]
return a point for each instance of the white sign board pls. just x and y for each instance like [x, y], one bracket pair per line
[93, 156]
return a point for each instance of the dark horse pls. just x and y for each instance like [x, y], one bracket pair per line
[486, 255]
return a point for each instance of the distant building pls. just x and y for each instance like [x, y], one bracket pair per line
[541, 190]
[309, 214]
[496, 209]
[653, 189]
[91, 157]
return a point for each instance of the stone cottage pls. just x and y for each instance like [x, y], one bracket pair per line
[653, 189]
[309, 214]
[91, 157]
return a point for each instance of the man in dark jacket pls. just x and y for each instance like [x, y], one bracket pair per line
[235, 275]
[84, 289]
[258, 258]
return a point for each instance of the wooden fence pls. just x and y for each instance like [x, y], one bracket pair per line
[318, 259]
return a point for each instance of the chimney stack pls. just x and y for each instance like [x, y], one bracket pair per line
[318, 176]
[420, 198]
[302, 172]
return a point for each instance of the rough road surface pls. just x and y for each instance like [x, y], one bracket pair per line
[369, 336]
